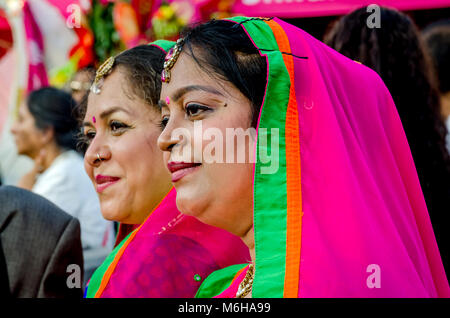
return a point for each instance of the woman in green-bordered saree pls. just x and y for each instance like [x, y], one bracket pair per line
[327, 198]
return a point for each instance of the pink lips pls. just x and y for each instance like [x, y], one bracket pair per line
[180, 169]
[103, 182]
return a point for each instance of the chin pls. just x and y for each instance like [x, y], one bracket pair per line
[22, 152]
[109, 216]
[191, 203]
[112, 213]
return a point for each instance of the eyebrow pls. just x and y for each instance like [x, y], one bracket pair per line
[107, 113]
[184, 90]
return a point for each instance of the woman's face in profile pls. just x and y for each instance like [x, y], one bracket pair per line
[201, 114]
[122, 130]
[28, 138]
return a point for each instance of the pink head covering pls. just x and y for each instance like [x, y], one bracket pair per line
[363, 209]
[346, 216]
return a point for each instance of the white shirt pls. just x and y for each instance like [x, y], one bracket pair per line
[67, 185]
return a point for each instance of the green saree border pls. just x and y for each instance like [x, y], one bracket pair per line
[97, 277]
[270, 191]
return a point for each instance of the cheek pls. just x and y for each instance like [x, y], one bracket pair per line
[141, 157]
[20, 131]
[27, 137]
[230, 179]
[166, 157]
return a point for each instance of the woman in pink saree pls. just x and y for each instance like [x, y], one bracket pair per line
[343, 215]
[159, 252]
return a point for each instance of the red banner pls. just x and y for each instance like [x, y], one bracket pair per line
[313, 8]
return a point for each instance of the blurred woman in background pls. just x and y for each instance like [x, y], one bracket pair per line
[396, 53]
[46, 131]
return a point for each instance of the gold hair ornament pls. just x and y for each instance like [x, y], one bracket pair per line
[102, 71]
[170, 60]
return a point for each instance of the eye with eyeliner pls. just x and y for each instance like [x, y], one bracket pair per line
[85, 137]
[118, 127]
[194, 110]
[88, 134]
[163, 122]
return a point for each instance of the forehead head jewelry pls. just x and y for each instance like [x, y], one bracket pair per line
[102, 71]
[170, 60]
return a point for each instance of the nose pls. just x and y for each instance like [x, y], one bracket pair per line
[166, 140]
[14, 128]
[97, 152]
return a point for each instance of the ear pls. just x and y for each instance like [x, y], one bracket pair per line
[47, 135]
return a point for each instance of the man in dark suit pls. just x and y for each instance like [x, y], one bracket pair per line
[39, 243]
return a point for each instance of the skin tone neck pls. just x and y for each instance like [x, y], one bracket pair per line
[48, 154]
[249, 239]
[445, 105]
[42, 161]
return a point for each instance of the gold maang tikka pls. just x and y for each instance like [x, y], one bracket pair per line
[102, 71]
[170, 60]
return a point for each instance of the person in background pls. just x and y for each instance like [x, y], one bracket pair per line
[395, 51]
[46, 131]
[437, 39]
[40, 248]
[81, 82]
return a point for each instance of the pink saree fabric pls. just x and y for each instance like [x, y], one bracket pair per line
[171, 254]
[364, 225]
[362, 202]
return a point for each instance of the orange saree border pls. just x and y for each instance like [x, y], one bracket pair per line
[293, 173]
[112, 266]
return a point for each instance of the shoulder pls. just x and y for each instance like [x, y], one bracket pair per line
[32, 211]
[36, 235]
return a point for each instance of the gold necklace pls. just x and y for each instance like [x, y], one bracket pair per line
[246, 285]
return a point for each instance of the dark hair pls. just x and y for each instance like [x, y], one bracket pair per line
[438, 43]
[225, 51]
[53, 108]
[143, 66]
[396, 53]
